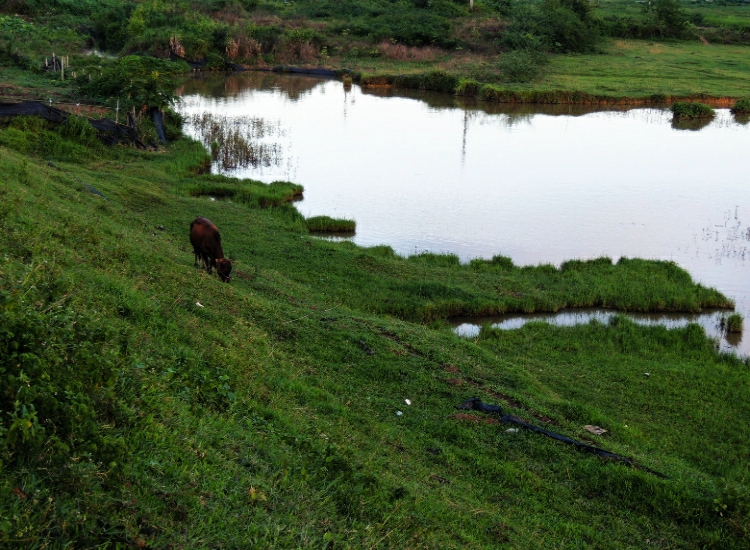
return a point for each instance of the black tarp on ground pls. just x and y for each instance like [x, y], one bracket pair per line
[302, 70]
[110, 132]
[32, 108]
[198, 64]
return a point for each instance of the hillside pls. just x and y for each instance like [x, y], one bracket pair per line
[146, 404]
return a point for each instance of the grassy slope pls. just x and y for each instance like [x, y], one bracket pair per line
[258, 417]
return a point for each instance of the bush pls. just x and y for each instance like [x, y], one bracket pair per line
[565, 26]
[691, 110]
[741, 107]
[136, 81]
[521, 65]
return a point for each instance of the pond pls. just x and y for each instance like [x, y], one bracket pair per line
[432, 172]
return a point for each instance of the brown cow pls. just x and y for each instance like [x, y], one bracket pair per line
[206, 241]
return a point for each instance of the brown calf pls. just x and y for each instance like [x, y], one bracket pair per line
[206, 241]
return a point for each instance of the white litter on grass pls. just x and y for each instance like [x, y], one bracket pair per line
[199, 304]
[399, 413]
[647, 373]
[511, 430]
[407, 401]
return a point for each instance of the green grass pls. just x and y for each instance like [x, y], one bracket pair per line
[246, 191]
[326, 224]
[733, 322]
[627, 69]
[263, 413]
[690, 110]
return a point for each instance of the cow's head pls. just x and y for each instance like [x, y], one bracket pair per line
[224, 269]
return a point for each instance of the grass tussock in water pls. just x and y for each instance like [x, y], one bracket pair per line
[689, 110]
[147, 404]
[733, 323]
[741, 107]
[327, 224]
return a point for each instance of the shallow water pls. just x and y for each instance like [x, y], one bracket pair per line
[539, 184]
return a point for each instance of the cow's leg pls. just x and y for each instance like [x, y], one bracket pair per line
[207, 263]
[197, 254]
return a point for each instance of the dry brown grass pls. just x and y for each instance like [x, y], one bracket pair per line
[293, 52]
[243, 47]
[399, 52]
[176, 47]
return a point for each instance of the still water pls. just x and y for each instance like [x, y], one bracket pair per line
[541, 185]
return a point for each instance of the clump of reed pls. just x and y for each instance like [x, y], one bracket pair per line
[691, 110]
[732, 323]
[326, 224]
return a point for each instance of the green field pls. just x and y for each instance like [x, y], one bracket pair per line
[147, 404]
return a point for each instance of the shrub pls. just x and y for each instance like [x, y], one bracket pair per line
[135, 81]
[556, 25]
[521, 65]
[691, 110]
[328, 224]
[741, 107]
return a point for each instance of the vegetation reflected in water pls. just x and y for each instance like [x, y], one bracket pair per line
[236, 141]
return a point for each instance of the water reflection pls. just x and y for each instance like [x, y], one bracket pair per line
[209, 85]
[238, 141]
[540, 184]
[711, 322]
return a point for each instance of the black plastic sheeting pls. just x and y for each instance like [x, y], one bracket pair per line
[475, 404]
[156, 116]
[302, 70]
[32, 108]
[197, 64]
[201, 64]
[110, 133]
